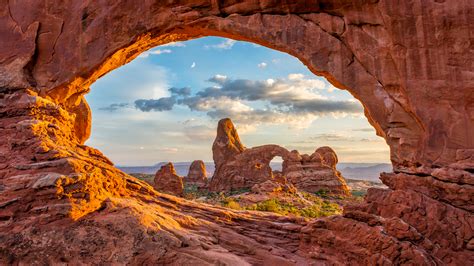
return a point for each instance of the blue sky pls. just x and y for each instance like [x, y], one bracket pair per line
[165, 104]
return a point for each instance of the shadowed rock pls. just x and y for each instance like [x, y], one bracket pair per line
[197, 174]
[166, 180]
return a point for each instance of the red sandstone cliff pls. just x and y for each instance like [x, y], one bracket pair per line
[408, 62]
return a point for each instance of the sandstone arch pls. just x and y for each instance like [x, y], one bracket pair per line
[408, 63]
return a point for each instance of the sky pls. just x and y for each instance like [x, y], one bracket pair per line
[165, 104]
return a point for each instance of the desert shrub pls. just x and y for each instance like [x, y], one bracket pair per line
[231, 204]
[238, 191]
[145, 177]
[192, 191]
[358, 193]
[323, 193]
[317, 209]
[270, 205]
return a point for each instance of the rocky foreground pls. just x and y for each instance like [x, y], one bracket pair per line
[408, 62]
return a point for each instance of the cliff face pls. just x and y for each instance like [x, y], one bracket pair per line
[408, 62]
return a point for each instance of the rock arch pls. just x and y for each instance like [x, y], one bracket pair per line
[408, 63]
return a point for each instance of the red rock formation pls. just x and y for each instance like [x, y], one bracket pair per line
[197, 174]
[316, 172]
[237, 167]
[250, 167]
[166, 180]
[408, 62]
[226, 144]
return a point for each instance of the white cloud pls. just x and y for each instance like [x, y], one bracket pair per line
[262, 65]
[193, 65]
[200, 132]
[155, 52]
[222, 103]
[224, 45]
[139, 79]
[295, 101]
[295, 76]
[174, 44]
[219, 78]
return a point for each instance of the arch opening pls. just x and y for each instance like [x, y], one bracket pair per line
[53, 52]
[178, 97]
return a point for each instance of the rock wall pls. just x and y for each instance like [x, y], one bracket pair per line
[408, 62]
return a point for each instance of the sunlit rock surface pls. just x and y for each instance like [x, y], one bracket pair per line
[244, 168]
[408, 62]
[315, 172]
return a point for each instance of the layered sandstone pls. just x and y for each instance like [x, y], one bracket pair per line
[197, 174]
[226, 144]
[166, 180]
[245, 168]
[408, 62]
[316, 172]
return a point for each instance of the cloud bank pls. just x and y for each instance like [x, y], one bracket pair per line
[294, 100]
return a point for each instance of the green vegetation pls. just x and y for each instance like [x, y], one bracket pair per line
[145, 177]
[358, 193]
[239, 191]
[323, 193]
[317, 209]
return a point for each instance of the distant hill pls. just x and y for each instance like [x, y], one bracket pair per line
[360, 171]
[369, 172]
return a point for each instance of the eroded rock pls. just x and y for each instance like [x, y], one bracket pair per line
[166, 180]
[316, 172]
[197, 174]
[246, 168]
[409, 63]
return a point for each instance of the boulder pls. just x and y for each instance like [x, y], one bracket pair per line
[166, 180]
[197, 174]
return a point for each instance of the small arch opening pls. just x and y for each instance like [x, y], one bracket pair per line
[276, 164]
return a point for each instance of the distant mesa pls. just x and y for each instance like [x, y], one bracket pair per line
[166, 180]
